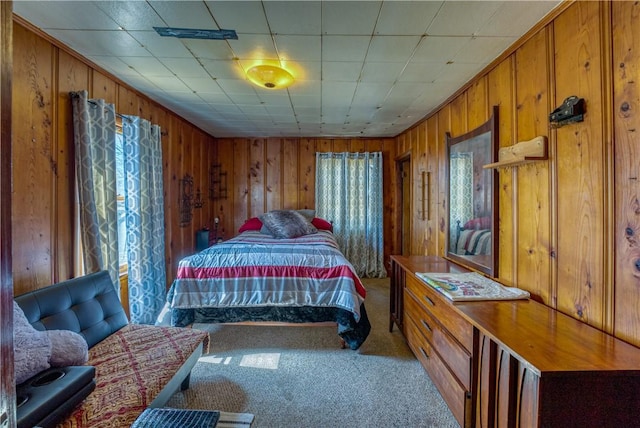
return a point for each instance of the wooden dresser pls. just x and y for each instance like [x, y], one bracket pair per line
[513, 363]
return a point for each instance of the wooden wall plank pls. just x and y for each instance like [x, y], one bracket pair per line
[420, 228]
[626, 118]
[290, 173]
[7, 372]
[240, 187]
[580, 166]
[307, 174]
[444, 126]
[478, 110]
[224, 208]
[458, 118]
[32, 157]
[103, 87]
[274, 189]
[500, 82]
[73, 75]
[431, 153]
[257, 177]
[341, 145]
[532, 185]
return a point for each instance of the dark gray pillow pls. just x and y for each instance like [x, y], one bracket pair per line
[287, 224]
[308, 214]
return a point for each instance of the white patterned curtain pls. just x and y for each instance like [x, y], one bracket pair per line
[94, 130]
[349, 193]
[461, 193]
[144, 218]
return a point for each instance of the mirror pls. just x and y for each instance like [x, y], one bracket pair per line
[473, 207]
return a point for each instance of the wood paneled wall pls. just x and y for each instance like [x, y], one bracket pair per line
[568, 226]
[43, 198]
[7, 375]
[279, 173]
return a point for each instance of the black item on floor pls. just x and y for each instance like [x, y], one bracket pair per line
[177, 418]
[49, 396]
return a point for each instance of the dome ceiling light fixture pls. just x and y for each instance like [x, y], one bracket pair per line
[269, 76]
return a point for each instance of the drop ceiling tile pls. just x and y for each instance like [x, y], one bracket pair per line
[459, 73]
[371, 94]
[113, 65]
[185, 67]
[208, 49]
[304, 70]
[89, 43]
[289, 17]
[299, 48]
[280, 110]
[171, 83]
[236, 86]
[253, 110]
[130, 15]
[462, 18]
[184, 14]
[344, 48]
[383, 72]
[161, 47]
[439, 48]
[392, 48]
[337, 93]
[178, 97]
[509, 21]
[223, 69]
[253, 46]
[341, 71]
[305, 102]
[274, 98]
[482, 50]
[307, 111]
[406, 18]
[201, 84]
[306, 88]
[244, 98]
[66, 15]
[405, 92]
[349, 17]
[241, 16]
[148, 66]
[214, 97]
[417, 72]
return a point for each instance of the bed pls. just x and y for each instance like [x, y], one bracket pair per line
[259, 277]
[474, 238]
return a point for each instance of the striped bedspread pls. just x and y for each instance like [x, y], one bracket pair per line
[255, 270]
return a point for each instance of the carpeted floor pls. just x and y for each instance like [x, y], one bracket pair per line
[299, 376]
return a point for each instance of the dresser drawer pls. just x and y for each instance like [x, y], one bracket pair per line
[442, 311]
[456, 357]
[455, 395]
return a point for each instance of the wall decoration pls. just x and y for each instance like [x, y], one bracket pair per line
[217, 182]
[185, 201]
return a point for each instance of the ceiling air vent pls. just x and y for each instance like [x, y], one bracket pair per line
[192, 33]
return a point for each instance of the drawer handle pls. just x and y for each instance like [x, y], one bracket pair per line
[424, 353]
[427, 326]
[429, 300]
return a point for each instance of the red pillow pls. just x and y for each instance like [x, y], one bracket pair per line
[478, 223]
[253, 223]
[322, 224]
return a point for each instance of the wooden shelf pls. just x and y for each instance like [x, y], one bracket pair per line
[521, 153]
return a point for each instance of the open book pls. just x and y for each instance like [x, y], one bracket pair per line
[470, 286]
